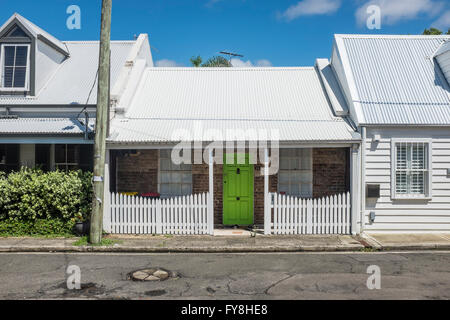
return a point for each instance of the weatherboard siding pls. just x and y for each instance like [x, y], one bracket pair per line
[408, 215]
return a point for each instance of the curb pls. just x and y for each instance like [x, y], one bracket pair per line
[69, 249]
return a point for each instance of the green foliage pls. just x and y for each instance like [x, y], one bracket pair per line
[196, 61]
[434, 32]
[39, 227]
[31, 196]
[217, 61]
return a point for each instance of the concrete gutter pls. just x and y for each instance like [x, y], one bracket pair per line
[190, 244]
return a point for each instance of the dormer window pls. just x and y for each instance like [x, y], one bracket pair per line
[15, 65]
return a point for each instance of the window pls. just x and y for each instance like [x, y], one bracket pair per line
[295, 176]
[73, 157]
[175, 180]
[9, 157]
[411, 176]
[15, 66]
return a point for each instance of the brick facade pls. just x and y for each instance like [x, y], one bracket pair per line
[140, 173]
[331, 171]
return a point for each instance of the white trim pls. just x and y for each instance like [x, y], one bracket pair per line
[2, 67]
[428, 192]
[354, 99]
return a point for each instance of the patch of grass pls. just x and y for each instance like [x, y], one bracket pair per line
[84, 241]
[369, 249]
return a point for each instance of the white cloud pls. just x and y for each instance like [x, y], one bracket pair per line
[393, 11]
[310, 7]
[443, 23]
[167, 63]
[238, 63]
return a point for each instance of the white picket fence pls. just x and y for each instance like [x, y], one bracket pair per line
[327, 215]
[180, 215]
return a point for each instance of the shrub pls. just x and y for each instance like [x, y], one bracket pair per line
[31, 196]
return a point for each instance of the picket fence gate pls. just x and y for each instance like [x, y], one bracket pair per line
[179, 215]
[327, 215]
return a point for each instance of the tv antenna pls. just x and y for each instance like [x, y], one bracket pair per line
[231, 54]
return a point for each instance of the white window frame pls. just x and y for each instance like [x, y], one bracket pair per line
[2, 68]
[65, 163]
[166, 196]
[428, 187]
[300, 171]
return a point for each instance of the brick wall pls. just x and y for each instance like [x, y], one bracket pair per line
[138, 173]
[330, 171]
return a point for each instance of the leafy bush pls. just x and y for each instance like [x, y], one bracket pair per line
[30, 196]
[39, 227]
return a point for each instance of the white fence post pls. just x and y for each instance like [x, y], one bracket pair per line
[106, 197]
[309, 209]
[267, 210]
[210, 219]
[158, 216]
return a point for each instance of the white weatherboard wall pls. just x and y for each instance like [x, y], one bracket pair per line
[407, 215]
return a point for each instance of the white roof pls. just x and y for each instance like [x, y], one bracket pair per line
[74, 78]
[36, 31]
[43, 126]
[396, 79]
[289, 100]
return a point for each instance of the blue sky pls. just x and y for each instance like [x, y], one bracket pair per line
[278, 33]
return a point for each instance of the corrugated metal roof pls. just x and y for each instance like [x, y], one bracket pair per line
[171, 130]
[290, 100]
[73, 79]
[397, 79]
[43, 126]
[35, 31]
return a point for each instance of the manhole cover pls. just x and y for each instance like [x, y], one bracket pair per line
[152, 274]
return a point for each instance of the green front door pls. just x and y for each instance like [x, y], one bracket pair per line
[238, 193]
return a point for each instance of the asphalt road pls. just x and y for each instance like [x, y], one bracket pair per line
[405, 275]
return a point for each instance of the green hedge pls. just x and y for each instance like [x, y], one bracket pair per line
[32, 200]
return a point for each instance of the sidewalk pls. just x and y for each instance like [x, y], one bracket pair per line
[418, 241]
[244, 243]
[235, 242]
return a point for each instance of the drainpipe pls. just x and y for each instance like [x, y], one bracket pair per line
[363, 176]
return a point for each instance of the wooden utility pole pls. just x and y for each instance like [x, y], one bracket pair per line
[101, 124]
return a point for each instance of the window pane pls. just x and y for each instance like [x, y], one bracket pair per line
[21, 56]
[306, 190]
[283, 177]
[295, 189]
[60, 153]
[8, 77]
[284, 163]
[72, 153]
[418, 157]
[9, 56]
[187, 177]
[19, 77]
[165, 164]
[401, 182]
[417, 183]
[165, 177]
[186, 189]
[176, 177]
[283, 188]
[402, 162]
